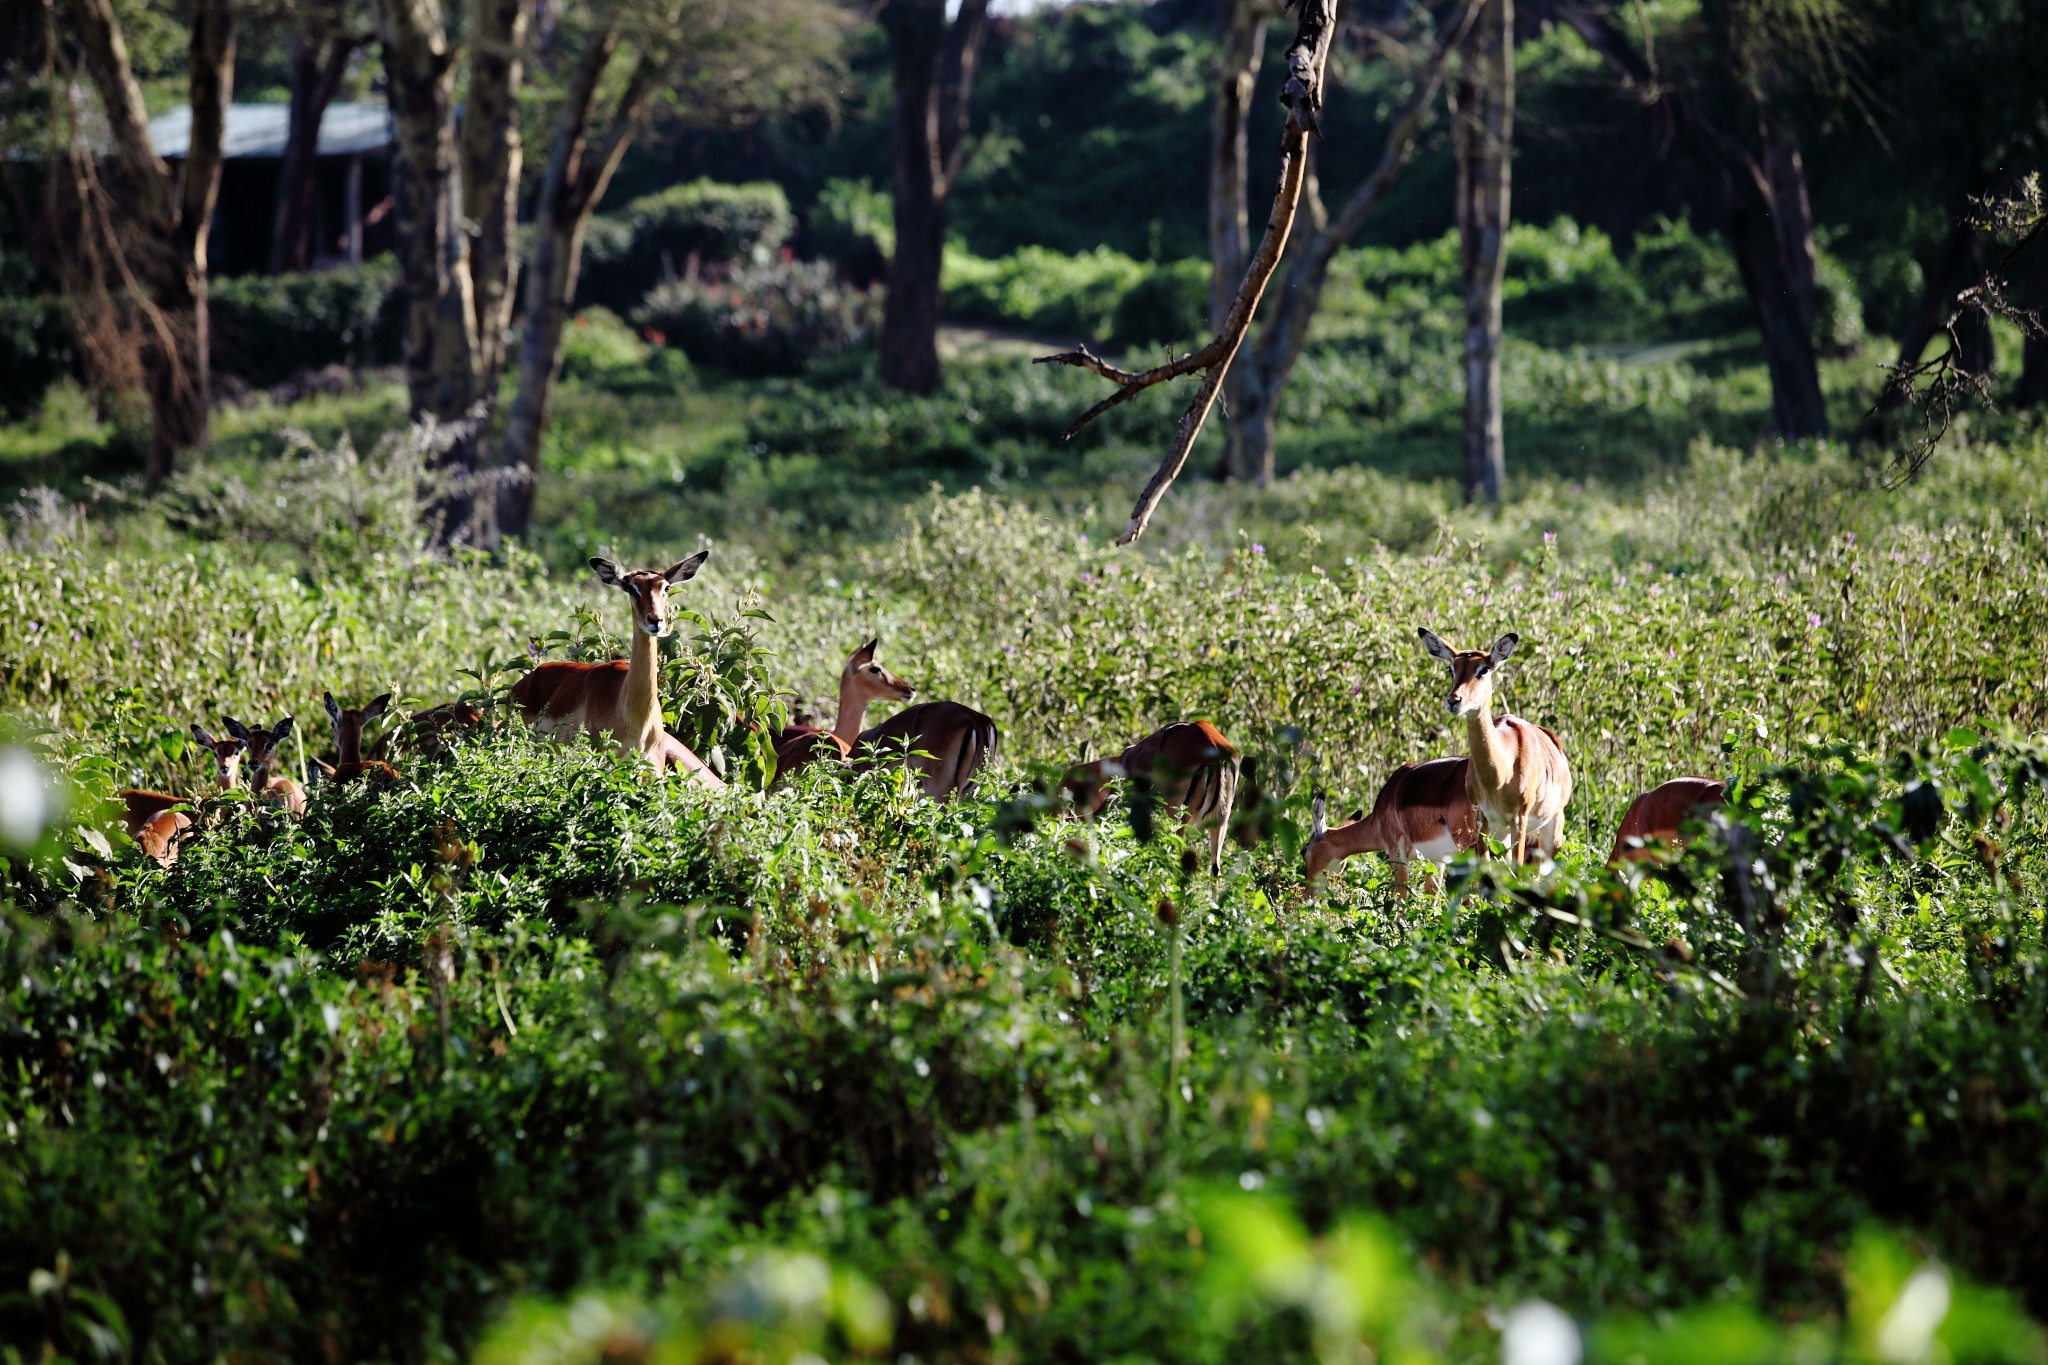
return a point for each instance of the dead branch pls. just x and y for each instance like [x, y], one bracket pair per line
[1302, 93]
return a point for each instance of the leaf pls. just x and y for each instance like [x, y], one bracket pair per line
[96, 841]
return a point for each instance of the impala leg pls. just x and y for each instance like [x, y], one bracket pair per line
[1401, 878]
[1521, 839]
[1216, 834]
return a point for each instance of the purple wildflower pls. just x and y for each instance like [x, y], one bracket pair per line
[1813, 620]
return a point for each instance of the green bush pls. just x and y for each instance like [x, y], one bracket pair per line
[762, 320]
[852, 222]
[654, 238]
[267, 328]
[1837, 308]
[1100, 296]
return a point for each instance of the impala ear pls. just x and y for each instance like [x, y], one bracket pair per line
[333, 707]
[279, 731]
[607, 572]
[1319, 824]
[236, 728]
[377, 707]
[199, 733]
[1437, 648]
[866, 653]
[1504, 646]
[686, 569]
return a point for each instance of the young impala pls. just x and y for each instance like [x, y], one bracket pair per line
[270, 785]
[943, 742]
[619, 700]
[1658, 814]
[349, 724]
[1424, 813]
[862, 681]
[151, 818]
[1188, 765]
[1519, 779]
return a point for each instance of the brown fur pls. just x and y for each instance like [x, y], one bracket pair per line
[1655, 817]
[861, 681]
[943, 742]
[149, 816]
[1190, 766]
[270, 785]
[1419, 805]
[349, 723]
[619, 700]
[1520, 781]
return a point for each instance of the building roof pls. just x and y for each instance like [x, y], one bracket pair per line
[258, 130]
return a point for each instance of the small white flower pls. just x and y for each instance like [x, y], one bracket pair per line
[1539, 1333]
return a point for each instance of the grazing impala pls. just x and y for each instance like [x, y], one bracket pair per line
[349, 724]
[151, 818]
[1187, 764]
[619, 700]
[1519, 779]
[1424, 813]
[862, 681]
[1658, 814]
[270, 786]
[943, 742]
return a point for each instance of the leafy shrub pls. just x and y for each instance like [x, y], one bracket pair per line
[35, 351]
[267, 328]
[1837, 308]
[763, 320]
[1100, 296]
[853, 223]
[654, 238]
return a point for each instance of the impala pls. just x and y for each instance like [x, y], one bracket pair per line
[427, 731]
[862, 681]
[619, 700]
[1658, 814]
[152, 819]
[1188, 765]
[270, 786]
[349, 724]
[1423, 813]
[943, 742]
[1519, 779]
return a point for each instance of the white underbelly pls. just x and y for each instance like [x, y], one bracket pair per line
[1439, 850]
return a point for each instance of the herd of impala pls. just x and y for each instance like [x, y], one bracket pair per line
[1514, 783]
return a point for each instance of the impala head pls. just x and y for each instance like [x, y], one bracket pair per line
[649, 588]
[1322, 851]
[262, 745]
[870, 680]
[350, 722]
[1471, 670]
[1087, 785]
[227, 755]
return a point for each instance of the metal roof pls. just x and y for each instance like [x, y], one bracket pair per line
[258, 130]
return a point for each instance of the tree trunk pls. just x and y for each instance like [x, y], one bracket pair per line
[1244, 44]
[932, 66]
[456, 297]
[320, 59]
[1484, 136]
[577, 176]
[172, 213]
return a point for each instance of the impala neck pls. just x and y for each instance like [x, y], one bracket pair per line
[1492, 762]
[642, 701]
[348, 744]
[853, 709]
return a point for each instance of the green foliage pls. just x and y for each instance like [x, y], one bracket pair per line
[851, 217]
[657, 237]
[761, 320]
[1099, 296]
[35, 350]
[267, 328]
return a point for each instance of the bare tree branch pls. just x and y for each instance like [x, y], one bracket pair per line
[1302, 93]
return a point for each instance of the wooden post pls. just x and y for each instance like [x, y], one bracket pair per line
[352, 209]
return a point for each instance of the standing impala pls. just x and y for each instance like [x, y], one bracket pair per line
[271, 786]
[152, 819]
[862, 681]
[1187, 764]
[1657, 815]
[1424, 813]
[1519, 779]
[349, 723]
[943, 742]
[619, 700]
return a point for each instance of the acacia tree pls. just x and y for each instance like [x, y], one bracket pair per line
[158, 263]
[455, 202]
[1259, 377]
[328, 38]
[1724, 99]
[932, 66]
[1484, 139]
[712, 66]
[1302, 94]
